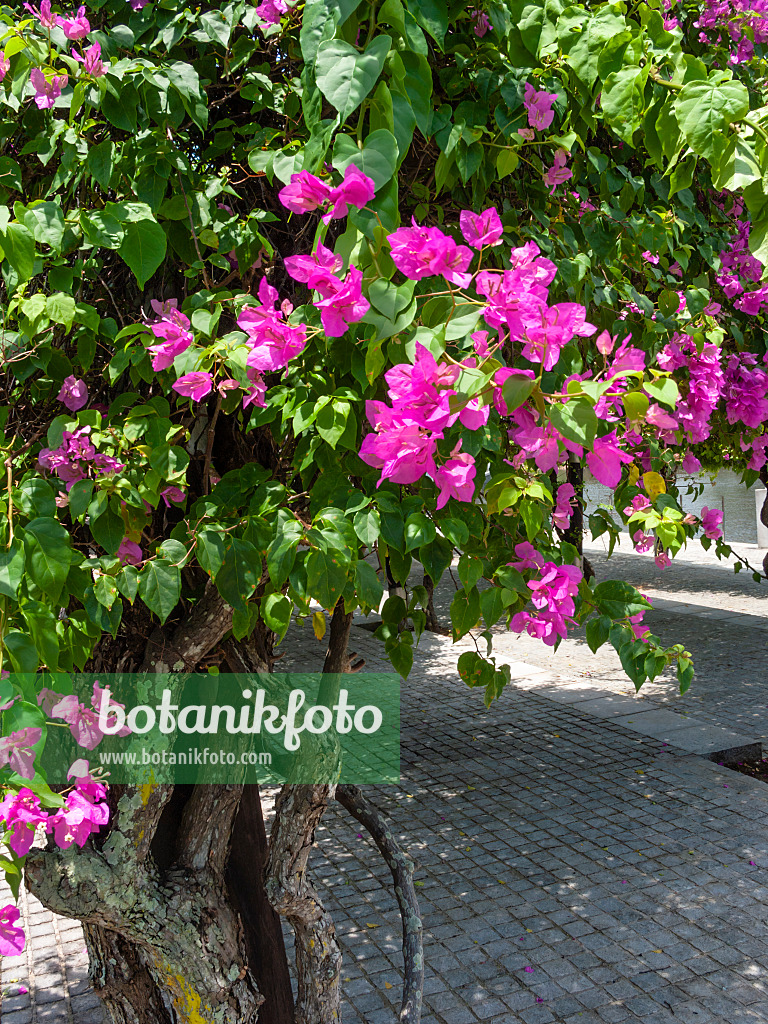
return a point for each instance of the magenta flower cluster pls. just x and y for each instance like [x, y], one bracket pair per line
[552, 596]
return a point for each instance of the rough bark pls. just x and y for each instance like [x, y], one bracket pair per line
[432, 622]
[298, 811]
[167, 944]
[401, 867]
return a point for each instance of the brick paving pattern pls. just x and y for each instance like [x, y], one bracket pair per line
[569, 869]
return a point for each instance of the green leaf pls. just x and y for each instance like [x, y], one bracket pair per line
[475, 670]
[664, 390]
[18, 243]
[465, 611]
[597, 632]
[11, 569]
[470, 570]
[121, 106]
[345, 76]
[623, 101]
[436, 557]
[100, 162]
[377, 158]
[400, 653]
[10, 172]
[369, 587]
[143, 249]
[432, 15]
[419, 530]
[515, 390]
[276, 610]
[61, 309]
[160, 587]
[583, 48]
[618, 600]
[48, 555]
[326, 577]
[491, 605]
[46, 222]
[705, 109]
[576, 421]
[240, 572]
[210, 547]
[105, 590]
[108, 530]
[319, 21]
[368, 526]
[281, 553]
[102, 229]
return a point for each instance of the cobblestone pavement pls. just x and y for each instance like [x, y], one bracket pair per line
[569, 870]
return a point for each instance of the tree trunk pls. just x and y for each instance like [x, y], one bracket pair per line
[575, 532]
[167, 943]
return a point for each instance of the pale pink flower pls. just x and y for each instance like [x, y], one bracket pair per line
[44, 14]
[4, 65]
[711, 522]
[129, 552]
[558, 172]
[46, 93]
[76, 26]
[539, 106]
[16, 751]
[73, 394]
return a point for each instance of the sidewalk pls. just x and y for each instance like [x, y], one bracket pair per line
[570, 869]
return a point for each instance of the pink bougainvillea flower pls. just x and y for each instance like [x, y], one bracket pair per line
[318, 270]
[165, 307]
[662, 560]
[176, 337]
[129, 552]
[605, 343]
[563, 511]
[80, 816]
[650, 258]
[605, 460]
[481, 229]
[46, 93]
[16, 751]
[4, 65]
[304, 193]
[456, 479]
[44, 14]
[345, 305]
[227, 385]
[480, 22]
[356, 190]
[528, 134]
[269, 12]
[425, 251]
[12, 938]
[558, 172]
[83, 722]
[73, 394]
[21, 814]
[691, 464]
[538, 103]
[75, 26]
[172, 494]
[138, 5]
[711, 522]
[91, 60]
[194, 385]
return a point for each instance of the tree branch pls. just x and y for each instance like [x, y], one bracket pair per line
[401, 866]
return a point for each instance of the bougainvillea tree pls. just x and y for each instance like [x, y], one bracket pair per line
[296, 297]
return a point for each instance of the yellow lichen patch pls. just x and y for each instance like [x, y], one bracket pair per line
[187, 1002]
[146, 793]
